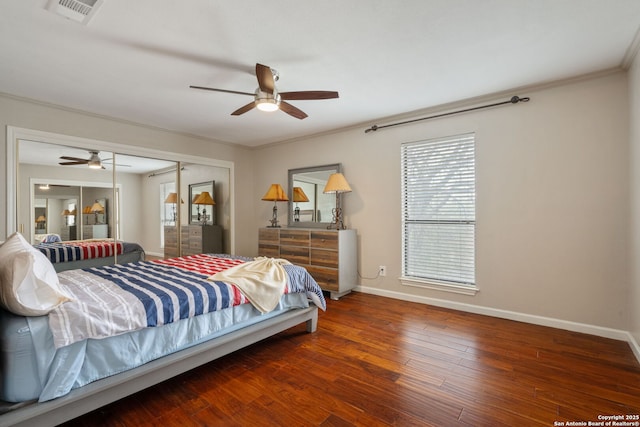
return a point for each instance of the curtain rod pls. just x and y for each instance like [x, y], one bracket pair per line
[163, 172]
[513, 100]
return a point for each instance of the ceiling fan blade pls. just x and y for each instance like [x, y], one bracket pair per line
[244, 109]
[84, 162]
[265, 78]
[308, 94]
[222, 90]
[75, 159]
[292, 111]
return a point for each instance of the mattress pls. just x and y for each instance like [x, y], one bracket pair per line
[32, 369]
[90, 253]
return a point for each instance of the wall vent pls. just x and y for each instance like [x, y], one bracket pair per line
[77, 10]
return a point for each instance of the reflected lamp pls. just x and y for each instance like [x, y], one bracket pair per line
[298, 196]
[97, 208]
[205, 199]
[173, 199]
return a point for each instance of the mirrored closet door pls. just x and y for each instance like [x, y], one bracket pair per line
[79, 193]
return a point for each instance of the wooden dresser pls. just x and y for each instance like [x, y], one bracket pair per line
[194, 239]
[68, 232]
[330, 256]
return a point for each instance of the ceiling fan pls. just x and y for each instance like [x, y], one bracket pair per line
[93, 161]
[267, 97]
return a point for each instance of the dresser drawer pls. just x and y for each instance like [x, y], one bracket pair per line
[294, 237]
[193, 232]
[324, 258]
[170, 239]
[324, 240]
[271, 251]
[269, 236]
[327, 278]
[295, 254]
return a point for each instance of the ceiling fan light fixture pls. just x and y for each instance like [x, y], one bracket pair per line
[267, 101]
[267, 105]
[94, 161]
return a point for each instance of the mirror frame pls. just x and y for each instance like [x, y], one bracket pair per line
[337, 167]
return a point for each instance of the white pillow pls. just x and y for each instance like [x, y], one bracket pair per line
[29, 284]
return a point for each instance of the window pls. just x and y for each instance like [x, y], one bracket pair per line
[438, 213]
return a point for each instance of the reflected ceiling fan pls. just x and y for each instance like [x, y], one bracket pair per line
[267, 97]
[93, 161]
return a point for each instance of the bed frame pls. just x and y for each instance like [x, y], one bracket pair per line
[99, 393]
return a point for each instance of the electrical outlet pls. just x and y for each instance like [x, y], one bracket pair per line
[382, 270]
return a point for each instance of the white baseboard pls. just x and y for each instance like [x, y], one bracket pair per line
[512, 315]
[158, 254]
[635, 346]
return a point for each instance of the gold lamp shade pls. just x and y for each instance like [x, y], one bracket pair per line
[41, 218]
[173, 198]
[204, 199]
[97, 207]
[66, 212]
[337, 184]
[275, 193]
[298, 195]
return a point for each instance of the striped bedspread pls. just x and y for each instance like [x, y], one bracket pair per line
[116, 299]
[76, 251]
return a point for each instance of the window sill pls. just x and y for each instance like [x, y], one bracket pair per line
[440, 286]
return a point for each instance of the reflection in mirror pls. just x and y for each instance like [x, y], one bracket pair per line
[309, 206]
[134, 210]
[201, 203]
[61, 179]
[54, 210]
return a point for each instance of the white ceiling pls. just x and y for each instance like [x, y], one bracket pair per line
[136, 59]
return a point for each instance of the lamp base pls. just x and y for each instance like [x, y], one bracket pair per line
[274, 218]
[337, 223]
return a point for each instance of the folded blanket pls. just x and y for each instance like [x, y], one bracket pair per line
[262, 281]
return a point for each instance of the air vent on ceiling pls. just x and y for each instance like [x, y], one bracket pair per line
[77, 10]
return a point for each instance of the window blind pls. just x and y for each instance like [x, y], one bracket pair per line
[438, 209]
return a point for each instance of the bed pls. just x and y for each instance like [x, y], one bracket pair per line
[165, 317]
[70, 255]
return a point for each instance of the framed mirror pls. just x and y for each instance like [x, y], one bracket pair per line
[309, 207]
[201, 203]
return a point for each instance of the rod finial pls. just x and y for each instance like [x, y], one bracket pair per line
[515, 99]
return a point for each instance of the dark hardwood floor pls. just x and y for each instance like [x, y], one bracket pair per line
[376, 362]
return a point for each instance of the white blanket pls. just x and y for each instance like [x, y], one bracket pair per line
[262, 281]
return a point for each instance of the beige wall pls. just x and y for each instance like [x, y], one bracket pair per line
[634, 254]
[552, 200]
